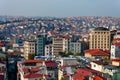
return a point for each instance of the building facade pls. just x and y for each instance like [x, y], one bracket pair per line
[48, 50]
[41, 41]
[29, 48]
[75, 47]
[60, 44]
[100, 38]
[115, 51]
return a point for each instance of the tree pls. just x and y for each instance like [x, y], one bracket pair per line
[65, 54]
[61, 53]
[31, 56]
[78, 54]
[62, 78]
[69, 53]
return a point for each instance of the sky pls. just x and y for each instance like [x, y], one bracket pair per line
[60, 8]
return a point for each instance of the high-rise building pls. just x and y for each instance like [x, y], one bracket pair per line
[115, 47]
[100, 38]
[57, 45]
[48, 50]
[75, 47]
[115, 51]
[60, 44]
[29, 48]
[41, 41]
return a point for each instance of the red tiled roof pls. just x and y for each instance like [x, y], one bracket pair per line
[33, 75]
[65, 75]
[116, 40]
[117, 44]
[33, 61]
[63, 67]
[58, 36]
[1, 43]
[117, 60]
[81, 78]
[99, 78]
[100, 63]
[97, 52]
[26, 70]
[51, 64]
[81, 73]
[93, 71]
[67, 37]
[107, 51]
[35, 69]
[78, 76]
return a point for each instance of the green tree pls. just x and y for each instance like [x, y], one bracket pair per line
[61, 53]
[78, 54]
[69, 53]
[31, 56]
[62, 78]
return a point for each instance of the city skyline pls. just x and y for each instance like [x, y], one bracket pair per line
[60, 8]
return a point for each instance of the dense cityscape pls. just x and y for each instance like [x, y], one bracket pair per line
[52, 48]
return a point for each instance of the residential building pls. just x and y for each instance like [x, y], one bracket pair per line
[87, 74]
[37, 70]
[29, 48]
[68, 61]
[60, 44]
[65, 72]
[48, 50]
[51, 69]
[111, 72]
[100, 38]
[57, 45]
[98, 65]
[115, 50]
[116, 62]
[97, 54]
[75, 47]
[115, 47]
[41, 41]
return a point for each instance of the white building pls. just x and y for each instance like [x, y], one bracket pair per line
[60, 44]
[115, 51]
[48, 50]
[68, 61]
[96, 65]
[75, 47]
[29, 48]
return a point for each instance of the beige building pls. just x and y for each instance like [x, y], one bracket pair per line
[68, 61]
[100, 38]
[97, 54]
[48, 50]
[65, 72]
[116, 62]
[29, 48]
[60, 44]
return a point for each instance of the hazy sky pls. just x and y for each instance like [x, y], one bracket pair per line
[60, 8]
